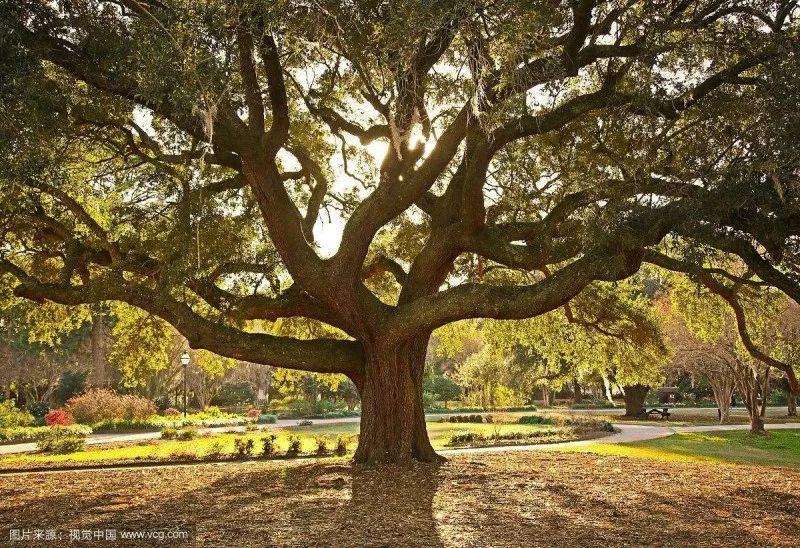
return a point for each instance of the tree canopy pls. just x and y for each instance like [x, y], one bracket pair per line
[320, 185]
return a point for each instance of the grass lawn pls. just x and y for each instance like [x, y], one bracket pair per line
[509, 499]
[776, 448]
[440, 433]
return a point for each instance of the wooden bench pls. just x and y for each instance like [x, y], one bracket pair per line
[662, 411]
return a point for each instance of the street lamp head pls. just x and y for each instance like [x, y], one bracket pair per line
[185, 359]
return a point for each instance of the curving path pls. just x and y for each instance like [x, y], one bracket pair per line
[625, 433]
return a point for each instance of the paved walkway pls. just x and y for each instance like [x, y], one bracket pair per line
[626, 433]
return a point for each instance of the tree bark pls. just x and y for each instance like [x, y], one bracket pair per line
[607, 389]
[722, 384]
[765, 393]
[545, 397]
[392, 415]
[748, 386]
[577, 393]
[756, 422]
[99, 350]
[792, 404]
[634, 399]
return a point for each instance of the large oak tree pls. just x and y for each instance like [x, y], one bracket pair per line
[183, 157]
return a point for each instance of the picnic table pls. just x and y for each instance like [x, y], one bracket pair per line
[662, 410]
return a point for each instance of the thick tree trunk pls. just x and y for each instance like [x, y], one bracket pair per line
[392, 415]
[634, 399]
[792, 404]
[99, 350]
[577, 393]
[765, 393]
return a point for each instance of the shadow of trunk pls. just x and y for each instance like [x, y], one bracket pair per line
[393, 505]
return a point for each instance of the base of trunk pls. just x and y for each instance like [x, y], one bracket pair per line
[393, 429]
[634, 400]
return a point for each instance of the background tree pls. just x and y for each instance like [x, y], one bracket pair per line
[712, 325]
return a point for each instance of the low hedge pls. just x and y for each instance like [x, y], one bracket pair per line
[444, 410]
[62, 439]
[535, 419]
[338, 414]
[468, 418]
[599, 404]
[157, 423]
[126, 425]
[267, 419]
[22, 434]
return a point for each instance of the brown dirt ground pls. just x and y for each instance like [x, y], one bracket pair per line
[513, 499]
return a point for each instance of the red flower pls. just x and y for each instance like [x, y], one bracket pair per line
[58, 417]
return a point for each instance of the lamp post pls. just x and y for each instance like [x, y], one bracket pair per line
[184, 362]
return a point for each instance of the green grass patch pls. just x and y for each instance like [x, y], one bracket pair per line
[158, 449]
[440, 433]
[776, 448]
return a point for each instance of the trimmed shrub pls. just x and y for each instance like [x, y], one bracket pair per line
[213, 411]
[183, 454]
[267, 419]
[215, 451]
[466, 438]
[62, 444]
[188, 433]
[171, 412]
[597, 404]
[100, 404]
[322, 445]
[253, 413]
[340, 448]
[466, 418]
[294, 446]
[126, 425]
[22, 433]
[534, 419]
[62, 439]
[169, 433]
[244, 447]
[268, 445]
[508, 409]
[184, 434]
[11, 417]
[33, 433]
[58, 417]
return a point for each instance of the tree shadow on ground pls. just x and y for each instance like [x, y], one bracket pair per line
[245, 504]
[496, 500]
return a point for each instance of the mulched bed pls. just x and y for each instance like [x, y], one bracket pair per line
[510, 499]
